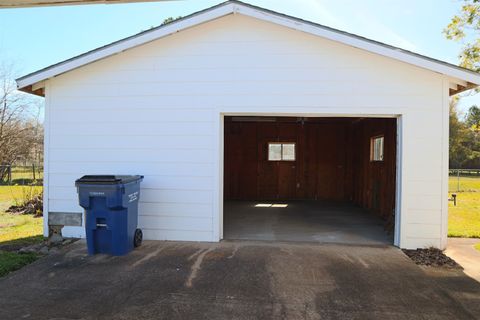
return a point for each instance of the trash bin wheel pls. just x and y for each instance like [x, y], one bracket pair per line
[137, 239]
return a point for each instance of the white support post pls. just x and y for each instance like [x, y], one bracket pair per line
[398, 193]
[445, 162]
[46, 167]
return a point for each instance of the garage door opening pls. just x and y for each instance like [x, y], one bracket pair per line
[310, 179]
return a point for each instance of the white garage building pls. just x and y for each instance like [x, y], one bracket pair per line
[180, 103]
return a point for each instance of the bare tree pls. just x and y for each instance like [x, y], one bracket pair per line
[19, 121]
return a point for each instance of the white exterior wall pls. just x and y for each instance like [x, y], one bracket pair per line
[157, 110]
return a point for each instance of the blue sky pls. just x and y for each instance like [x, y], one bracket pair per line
[37, 37]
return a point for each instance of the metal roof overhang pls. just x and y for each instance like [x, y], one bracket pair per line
[4, 4]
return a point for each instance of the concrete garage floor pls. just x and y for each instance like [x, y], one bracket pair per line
[237, 280]
[304, 221]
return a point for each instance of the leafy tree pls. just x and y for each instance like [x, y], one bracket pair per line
[458, 152]
[464, 141]
[473, 118]
[465, 27]
[465, 135]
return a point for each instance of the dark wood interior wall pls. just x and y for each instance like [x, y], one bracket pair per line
[374, 183]
[332, 161]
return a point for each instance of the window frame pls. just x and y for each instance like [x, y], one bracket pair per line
[372, 148]
[281, 151]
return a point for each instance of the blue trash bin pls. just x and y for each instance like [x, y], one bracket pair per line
[111, 212]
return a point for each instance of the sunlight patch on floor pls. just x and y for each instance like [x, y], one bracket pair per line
[271, 205]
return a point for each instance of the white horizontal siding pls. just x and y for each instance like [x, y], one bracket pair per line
[165, 209]
[80, 141]
[176, 235]
[64, 184]
[63, 205]
[148, 195]
[146, 167]
[308, 103]
[426, 230]
[428, 188]
[419, 216]
[310, 88]
[419, 242]
[155, 110]
[176, 223]
[424, 202]
[119, 129]
[106, 154]
[133, 115]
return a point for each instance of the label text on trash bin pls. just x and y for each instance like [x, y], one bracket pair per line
[96, 193]
[133, 197]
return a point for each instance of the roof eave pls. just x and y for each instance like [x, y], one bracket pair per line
[29, 89]
[461, 88]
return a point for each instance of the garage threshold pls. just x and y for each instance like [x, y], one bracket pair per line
[307, 221]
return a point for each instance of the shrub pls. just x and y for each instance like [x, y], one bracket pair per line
[30, 201]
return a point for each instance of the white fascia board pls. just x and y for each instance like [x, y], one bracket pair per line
[126, 44]
[359, 43]
[458, 82]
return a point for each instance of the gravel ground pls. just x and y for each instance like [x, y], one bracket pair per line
[431, 257]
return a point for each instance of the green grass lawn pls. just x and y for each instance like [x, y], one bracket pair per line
[464, 219]
[14, 227]
[17, 230]
[465, 184]
[11, 261]
[9, 194]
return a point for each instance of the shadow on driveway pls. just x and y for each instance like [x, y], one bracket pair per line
[237, 280]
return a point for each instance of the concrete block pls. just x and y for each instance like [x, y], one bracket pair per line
[72, 219]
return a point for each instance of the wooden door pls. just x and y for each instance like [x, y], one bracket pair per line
[287, 182]
[267, 187]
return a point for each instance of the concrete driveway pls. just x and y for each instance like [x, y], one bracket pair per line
[462, 250]
[237, 280]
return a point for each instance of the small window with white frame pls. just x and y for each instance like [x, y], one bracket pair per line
[278, 151]
[376, 148]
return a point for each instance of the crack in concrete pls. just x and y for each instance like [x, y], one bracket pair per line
[148, 257]
[197, 265]
[363, 263]
[235, 249]
[196, 253]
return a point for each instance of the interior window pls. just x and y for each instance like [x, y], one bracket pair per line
[288, 151]
[376, 148]
[281, 151]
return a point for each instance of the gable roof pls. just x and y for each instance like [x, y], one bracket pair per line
[461, 79]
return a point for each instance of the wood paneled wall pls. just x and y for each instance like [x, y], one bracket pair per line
[374, 182]
[332, 161]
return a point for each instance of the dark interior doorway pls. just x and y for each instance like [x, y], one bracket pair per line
[281, 160]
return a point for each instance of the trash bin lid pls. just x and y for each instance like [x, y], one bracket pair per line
[107, 179]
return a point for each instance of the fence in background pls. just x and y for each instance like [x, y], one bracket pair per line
[21, 175]
[465, 172]
[457, 174]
